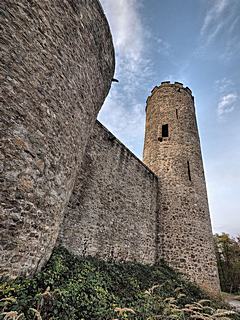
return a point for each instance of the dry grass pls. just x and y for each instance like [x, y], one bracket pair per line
[12, 315]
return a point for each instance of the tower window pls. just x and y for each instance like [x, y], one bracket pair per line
[165, 130]
[177, 113]
[189, 172]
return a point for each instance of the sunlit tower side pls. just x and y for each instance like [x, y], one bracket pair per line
[172, 150]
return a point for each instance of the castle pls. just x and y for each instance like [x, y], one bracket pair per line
[65, 179]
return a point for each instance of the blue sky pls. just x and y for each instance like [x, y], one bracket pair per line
[196, 42]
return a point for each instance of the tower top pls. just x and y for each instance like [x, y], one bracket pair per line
[176, 84]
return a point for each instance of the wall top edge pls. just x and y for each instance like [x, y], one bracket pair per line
[115, 139]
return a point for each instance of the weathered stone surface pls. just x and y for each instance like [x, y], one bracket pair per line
[112, 212]
[56, 66]
[57, 62]
[186, 240]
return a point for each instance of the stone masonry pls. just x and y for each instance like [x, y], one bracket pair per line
[57, 63]
[56, 66]
[113, 211]
[172, 150]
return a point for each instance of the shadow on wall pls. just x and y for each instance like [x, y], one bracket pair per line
[58, 62]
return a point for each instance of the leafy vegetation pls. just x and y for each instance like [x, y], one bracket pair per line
[87, 289]
[228, 258]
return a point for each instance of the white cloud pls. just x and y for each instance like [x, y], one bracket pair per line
[126, 27]
[220, 17]
[126, 123]
[229, 96]
[224, 85]
[163, 47]
[212, 23]
[234, 24]
[122, 111]
[227, 104]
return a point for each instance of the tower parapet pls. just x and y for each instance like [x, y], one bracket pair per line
[176, 84]
[172, 151]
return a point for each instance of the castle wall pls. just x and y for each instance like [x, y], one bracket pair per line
[57, 62]
[112, 212]
[175, 156]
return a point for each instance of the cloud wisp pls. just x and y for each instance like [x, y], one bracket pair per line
[212, 24]
[126, 26]
[123, 112]
[221, 23]
[229, 97]
[221, 16]
[126, 123]
[224, 85]
[227, 104]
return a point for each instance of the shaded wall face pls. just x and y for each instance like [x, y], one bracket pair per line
[112, 210]
[185, 226]
[57, 62]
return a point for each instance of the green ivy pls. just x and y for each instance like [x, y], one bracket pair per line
[70, 288]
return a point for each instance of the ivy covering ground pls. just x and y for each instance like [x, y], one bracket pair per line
[73, 288]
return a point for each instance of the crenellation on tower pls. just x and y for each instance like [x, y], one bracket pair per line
[176, 86]
[165, 82]
[154, 89]
[188, 90]
[179, 84]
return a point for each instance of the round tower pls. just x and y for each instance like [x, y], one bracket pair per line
[172, 150]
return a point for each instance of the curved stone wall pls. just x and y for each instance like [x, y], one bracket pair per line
[57, 62]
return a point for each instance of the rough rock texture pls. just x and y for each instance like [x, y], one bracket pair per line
[185, 227]
[56, 63]
[112, 212]
[56, 66]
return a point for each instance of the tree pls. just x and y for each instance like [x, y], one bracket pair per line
[228, 259]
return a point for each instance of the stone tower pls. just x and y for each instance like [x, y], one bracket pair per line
[172, 151]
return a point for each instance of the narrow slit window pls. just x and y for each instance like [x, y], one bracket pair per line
[165, 130]
[189, 172]
[177, 113]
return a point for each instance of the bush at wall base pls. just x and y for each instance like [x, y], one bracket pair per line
[73, 288]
